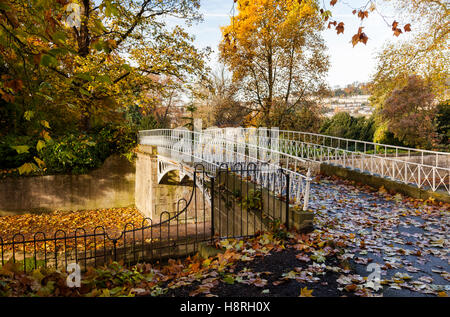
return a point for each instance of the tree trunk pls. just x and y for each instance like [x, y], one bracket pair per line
[83, 50]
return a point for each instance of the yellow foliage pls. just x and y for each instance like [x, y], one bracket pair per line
[275, 52]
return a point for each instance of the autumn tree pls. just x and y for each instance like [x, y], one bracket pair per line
[76, 63]
[443, 125]
[361, 11]
[220, 105]
[91, 57]
[424, 53]
[276, 55]
[410, 113]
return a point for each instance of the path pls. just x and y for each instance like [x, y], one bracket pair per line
[408, 238]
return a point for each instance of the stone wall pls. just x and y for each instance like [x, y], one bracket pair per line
[152, 199]
[111, 185]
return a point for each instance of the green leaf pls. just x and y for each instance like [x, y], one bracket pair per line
[99, 45]
[110, 9]
[37, 275]
[4, 6]
[39, 162]
[115, 290]
[28, 115]
[45, 84]
[85, 92]
[84, 76]
[47, 97]
[104, 79]
[126, 67]
[48, 60]
[57, 51]
[40, 145]
[21, 148]
[229, 279]
[59, 36]
[27, 168]
[99, 25]
[45, 124]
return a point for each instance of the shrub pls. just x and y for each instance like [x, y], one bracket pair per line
[345, 126]
[80, 153]
[9, 157]
[71, 153]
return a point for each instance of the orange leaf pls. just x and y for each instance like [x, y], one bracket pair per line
[305, 292]
[397, 32]
[340, 27]
[394, 25]
[351, 287]
[331, 23]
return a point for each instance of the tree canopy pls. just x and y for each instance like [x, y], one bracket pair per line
[90, 57]
[277, 56]
[69, 65]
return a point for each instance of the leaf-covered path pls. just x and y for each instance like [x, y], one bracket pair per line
[356, 228]
[408, 238]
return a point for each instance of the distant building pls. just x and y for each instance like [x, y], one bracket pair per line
[355, 105]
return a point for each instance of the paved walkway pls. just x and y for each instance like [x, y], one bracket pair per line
[407, 238]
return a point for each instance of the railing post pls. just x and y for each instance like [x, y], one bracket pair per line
[288, 181]
[434, 178]
[308, 183]
[212, 207]
[406, 173]
[114, 241]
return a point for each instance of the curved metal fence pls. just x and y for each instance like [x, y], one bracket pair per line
[234, 203]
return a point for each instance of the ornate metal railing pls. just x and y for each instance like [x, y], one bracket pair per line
[213, 148]
[292, 150]
[421, 168]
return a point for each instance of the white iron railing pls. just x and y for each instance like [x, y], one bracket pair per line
[292, 150]
[214, 149]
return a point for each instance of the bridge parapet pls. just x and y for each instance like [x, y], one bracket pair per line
[295, 152]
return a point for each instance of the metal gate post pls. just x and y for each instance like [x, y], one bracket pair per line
[287, 199]
[212, 207]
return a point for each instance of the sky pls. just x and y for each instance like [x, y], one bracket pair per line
[348, 63]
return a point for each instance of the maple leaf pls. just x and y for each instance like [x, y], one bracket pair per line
[27, 168]
[363, 38]
[363, 14]
[21, 148]
[355, 39]
[340, 28]
[407, 27]
[331, 23]
[305, 292]
[397, 32]
[228, 279]
[394, 25]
